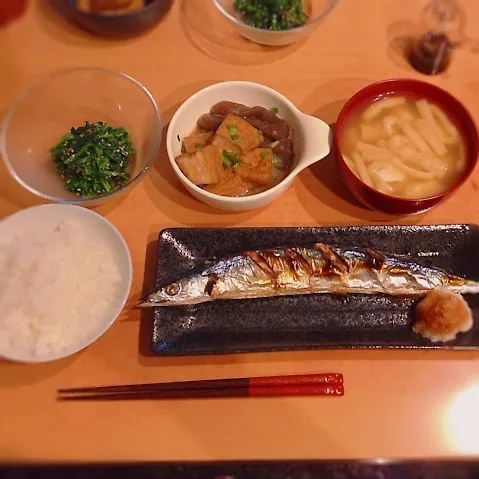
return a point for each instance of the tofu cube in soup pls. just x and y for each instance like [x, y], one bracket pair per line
[240, 133]
[230, 185]
[193, 143]
[257, 167]
[203, 167]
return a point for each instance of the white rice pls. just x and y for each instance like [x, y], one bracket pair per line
[58, 286]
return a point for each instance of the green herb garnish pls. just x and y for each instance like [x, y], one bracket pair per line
[199, 145]
[272, 14]
[260, 133]
[230, 159]
[264, 154]
[233, 129]
[277, 162]
[275, 110]
[94, 159]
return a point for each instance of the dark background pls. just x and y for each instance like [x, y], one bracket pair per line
[240, 470]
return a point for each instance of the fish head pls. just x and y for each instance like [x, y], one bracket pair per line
[190, 290]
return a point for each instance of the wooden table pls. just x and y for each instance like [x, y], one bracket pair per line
[397, 403]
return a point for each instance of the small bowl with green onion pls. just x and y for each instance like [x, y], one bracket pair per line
[81, 136]
[274, 22]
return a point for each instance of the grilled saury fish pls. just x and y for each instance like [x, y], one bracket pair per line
[306, 270]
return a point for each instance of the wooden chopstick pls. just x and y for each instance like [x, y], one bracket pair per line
[326, 384]
[238, 392]
[299, 379]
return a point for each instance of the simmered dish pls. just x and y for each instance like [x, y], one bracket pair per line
[404, 148]
[237, 150]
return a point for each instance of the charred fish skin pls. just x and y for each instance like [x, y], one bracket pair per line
[306, 270]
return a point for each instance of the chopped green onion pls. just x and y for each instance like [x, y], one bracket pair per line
[277, 162]
[233, 129]
[230, 159]
[275, 110]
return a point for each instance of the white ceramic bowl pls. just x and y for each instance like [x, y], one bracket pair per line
[46, 216]
[316, 9]
[311, 138]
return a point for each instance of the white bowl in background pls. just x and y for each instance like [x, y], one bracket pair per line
[45, 216]
[317, 10]
[311, 137]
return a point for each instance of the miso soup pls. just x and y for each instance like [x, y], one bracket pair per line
[405, 148]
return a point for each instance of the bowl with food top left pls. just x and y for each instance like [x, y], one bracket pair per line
[81, 136]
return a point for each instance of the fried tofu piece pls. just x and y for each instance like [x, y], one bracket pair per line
[194, 143]
[240, 133]
[230, 185]
[254, 157]
[257, 167]
[204, 167]
[225, 144]
[259, 176]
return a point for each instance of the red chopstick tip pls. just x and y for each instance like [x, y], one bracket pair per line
[297, 390]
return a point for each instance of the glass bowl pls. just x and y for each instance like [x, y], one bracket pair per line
[316, 9]
[46, 112]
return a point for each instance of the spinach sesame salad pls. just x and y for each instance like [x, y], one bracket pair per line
[94, 159]
[272, 14]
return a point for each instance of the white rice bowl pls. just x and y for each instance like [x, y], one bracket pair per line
[65, 276]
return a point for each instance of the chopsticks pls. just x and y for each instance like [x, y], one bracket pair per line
[325, 384]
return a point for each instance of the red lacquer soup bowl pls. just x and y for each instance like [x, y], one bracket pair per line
[412, 89]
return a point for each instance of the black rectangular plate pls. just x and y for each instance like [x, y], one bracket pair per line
[316, 321]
